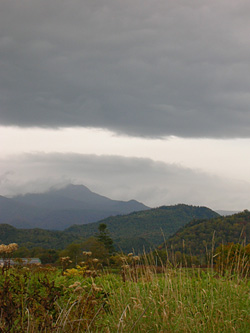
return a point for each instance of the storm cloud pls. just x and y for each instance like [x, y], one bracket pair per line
[153, 183]
[145, 68]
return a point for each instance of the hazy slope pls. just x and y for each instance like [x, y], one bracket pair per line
[58, 209]
[17, 213]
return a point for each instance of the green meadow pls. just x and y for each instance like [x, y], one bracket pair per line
[133, 296]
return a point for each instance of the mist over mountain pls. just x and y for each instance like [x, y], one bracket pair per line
[60, 208]
[18, 213]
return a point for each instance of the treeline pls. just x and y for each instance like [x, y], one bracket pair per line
[31, 238]
[136, 231]
[227, 257]
[100, 245]
[193, 243]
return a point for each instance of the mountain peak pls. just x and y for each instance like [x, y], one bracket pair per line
[60, 208]
[72, 188]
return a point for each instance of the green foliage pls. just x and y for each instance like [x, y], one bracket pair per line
[104, 238]
[31, 238]
[97, 249]
[22, 252]
[47, 256]
[233, 259]
[201, 236]
[145, 229]
[174, 258]
[76, 251]
[178, 301]
[41, 299]
[24, 296]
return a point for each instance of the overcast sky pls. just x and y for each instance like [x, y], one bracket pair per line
[142, 99]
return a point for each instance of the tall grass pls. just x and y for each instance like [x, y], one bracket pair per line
[177, 300]
[143, 298]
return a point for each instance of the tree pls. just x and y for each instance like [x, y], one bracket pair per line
[22, 252]
[74, 251]
[49, 256]
[96, 247]
[104, 238]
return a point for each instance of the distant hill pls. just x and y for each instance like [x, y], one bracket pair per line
[133, 231]
[59, 209]
[31, 238]
[198, 235]
[152, 225]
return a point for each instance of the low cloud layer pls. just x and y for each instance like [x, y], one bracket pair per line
[153, 183]
[141, 67]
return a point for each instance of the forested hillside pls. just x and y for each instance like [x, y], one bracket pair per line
[133, 231]
[36, 237]
[197, 236]
[151, 225]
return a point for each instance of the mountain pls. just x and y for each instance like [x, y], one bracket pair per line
[200, 236]
[136, 230]
[151, 225]
[17, 213]
[58, 209]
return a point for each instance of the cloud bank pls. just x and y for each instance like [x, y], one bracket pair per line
[153, 183]
[142, 67]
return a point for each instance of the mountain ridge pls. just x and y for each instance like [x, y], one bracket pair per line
[153, 225]
[57, 209]
[134, 231]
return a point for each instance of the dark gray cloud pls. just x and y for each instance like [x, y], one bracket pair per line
[153, 183]
[141, 67]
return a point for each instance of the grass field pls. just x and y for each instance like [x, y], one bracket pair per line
[133, 298]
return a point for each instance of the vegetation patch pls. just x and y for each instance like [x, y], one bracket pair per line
[127, 293]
